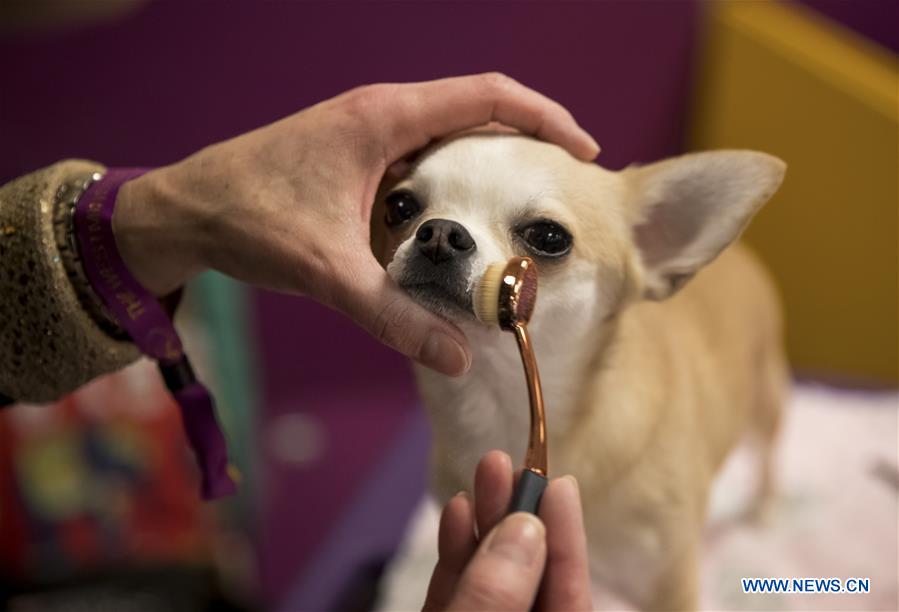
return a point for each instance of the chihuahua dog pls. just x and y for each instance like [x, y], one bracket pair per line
[658, 345]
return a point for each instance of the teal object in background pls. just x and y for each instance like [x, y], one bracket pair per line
[227, 320]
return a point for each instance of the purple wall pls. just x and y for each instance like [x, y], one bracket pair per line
[877, 20]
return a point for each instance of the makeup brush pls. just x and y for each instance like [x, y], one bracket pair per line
[506, 296]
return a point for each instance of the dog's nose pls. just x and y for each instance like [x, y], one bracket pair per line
[441, 240]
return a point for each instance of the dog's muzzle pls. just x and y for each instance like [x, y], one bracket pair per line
[439, 265]
[441, 241]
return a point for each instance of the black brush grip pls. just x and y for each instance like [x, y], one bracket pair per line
[528, 492]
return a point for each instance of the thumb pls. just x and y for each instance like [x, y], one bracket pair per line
[505, 572]
[389, 314]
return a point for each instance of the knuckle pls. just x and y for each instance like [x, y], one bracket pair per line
[374, 91]
[390, 323]
[541, 120]
[367, 101]
[570, 589]
[313, 275]
[498, 81]
[356, 100]
[374, 94]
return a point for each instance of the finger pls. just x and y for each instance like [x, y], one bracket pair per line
[398, 169]
[401, 168]
[566, 582]
[456, 544]
[492, 489]
[504, 573]
[365, 293]
[438, 108]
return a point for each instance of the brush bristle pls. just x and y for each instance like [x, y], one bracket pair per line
[486, 295]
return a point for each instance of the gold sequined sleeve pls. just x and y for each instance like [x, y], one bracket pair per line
[49, 344]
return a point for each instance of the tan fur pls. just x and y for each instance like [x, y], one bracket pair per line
[703, 367]
[644, 398]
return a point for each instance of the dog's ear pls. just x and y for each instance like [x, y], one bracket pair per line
[689, 208]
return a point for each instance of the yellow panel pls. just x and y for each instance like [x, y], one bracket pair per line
[779, 78]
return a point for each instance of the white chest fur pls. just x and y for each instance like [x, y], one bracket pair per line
[488, 408]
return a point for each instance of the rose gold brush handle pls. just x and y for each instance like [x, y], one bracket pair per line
[514, 297]
[536, 459]
[532, 482]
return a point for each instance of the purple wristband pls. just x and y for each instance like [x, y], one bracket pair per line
[141, 315]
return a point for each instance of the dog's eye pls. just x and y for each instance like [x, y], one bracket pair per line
[401, 207]
[547, 238]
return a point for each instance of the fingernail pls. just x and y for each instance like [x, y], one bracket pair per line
[595, 144]
[519, 538]
[444, 355]
[574, 487]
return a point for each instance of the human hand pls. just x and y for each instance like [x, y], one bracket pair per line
[503, 571]
[287, 206]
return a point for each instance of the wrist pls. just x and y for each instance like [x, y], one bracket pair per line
[155, 232]
[67, 197]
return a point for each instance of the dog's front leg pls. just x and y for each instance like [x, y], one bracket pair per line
[676, 589]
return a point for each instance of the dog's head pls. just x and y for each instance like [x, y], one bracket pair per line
[600, 238]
